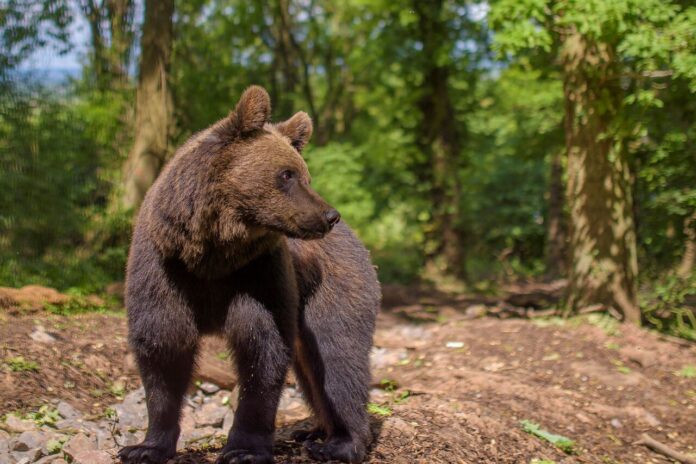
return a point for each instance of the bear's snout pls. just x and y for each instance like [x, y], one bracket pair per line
[332, 217]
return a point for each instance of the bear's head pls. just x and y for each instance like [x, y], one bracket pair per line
[265, 180]
[233, 188]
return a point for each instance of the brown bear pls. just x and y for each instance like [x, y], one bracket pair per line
[231, 239]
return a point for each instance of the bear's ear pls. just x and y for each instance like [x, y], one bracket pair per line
[252, 111]
[298, 129]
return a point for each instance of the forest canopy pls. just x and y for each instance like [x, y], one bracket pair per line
[468, 143]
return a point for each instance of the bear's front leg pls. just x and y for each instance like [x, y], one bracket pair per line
[164, 338]
[260, 327]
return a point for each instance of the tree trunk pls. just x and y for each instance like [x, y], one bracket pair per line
[440, 140]
[602, 232]
[556, 230]
[688, 261]
[153, 119]
[120, 14]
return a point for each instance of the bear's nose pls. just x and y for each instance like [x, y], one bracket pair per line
[332, 216]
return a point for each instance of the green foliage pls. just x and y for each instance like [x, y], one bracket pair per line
[46, 415]
[379, 410]
[565, 444]
[688, 372]
[665, 305]
[19, 364]
[57, 156]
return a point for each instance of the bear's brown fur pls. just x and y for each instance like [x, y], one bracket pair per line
[231, 239]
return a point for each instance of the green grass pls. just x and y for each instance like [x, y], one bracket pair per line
[688, 372]
[565, 444]
[19, 364]
[379, 410]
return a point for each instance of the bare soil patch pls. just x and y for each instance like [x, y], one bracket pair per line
[451, 389]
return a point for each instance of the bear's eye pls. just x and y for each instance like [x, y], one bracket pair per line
[287, 175]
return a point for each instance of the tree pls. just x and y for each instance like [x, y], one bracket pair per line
[153, 120]
[112, 30]
[440, 139]
[607, 51]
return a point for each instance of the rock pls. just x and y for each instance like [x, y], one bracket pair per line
[131, 438]
[228, 421]
[475, 311]
[384, 357]
[210, 414]
[92, 457]
[80, 443]
[131, 415]
[209, 388]
[199, 436]
[40, 335]
[135, 397]
[105, 439]
[16, 425]
[616, 423]
[53, 459]
[27, 456]
[28, 440]
[4, 442]
[66, 411]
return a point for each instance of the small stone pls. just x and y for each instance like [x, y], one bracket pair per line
[475, 311]
[131, 438]
[105, 439]
[78, 444]
[17, 425]
[66, 411]
[210, 414]
[27, 456]
[92, 457]
[53, 459]
[131, 415]
[4, 442]
[135, 397]
[28, 440]
[616, 423]
[40, 335]
[209, 388]
[228, 421]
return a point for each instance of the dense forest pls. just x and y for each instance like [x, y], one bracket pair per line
[468, 143]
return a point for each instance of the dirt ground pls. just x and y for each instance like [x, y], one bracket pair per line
[448, 387]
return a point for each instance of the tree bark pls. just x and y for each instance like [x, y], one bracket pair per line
[440, 140]
[153, 119]
[688, 261]
[556, 230]
[602, 231]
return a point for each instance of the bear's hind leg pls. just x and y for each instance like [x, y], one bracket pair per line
[336, 364]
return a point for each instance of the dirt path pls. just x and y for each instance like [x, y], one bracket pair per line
[451, 391]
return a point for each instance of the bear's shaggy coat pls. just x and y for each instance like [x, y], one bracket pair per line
[222, 245]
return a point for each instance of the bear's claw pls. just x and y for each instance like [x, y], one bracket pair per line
[243, 456]
[144, 454]
[339, 449]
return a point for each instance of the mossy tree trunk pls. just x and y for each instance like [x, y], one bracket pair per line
[153, 119]
[602, 232]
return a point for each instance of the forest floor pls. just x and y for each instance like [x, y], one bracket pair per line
[450, 386]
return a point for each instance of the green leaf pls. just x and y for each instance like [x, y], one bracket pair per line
[565, 444]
